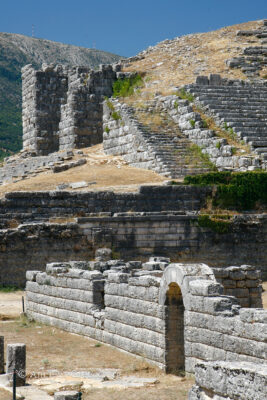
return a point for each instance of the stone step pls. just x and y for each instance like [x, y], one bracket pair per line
[233, 100]
[244, 107]
[241, 122]
[260, 131]
[258, 143]
[230, 95]
[239, 114]
[261, 150]
[228, 91]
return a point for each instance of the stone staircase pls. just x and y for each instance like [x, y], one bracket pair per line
[254, 58]
[242, 107]
[160, 147]
[169, 145]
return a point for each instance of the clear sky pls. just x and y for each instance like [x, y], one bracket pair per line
[124, 27]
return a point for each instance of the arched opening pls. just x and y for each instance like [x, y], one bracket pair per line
[174, 328]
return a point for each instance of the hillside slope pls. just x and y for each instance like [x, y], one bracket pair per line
[17, 51]
[176, 62]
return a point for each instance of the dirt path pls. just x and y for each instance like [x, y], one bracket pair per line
[10, 305]
[4, 395]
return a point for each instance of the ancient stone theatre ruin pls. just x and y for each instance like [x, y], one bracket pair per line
[161, 272]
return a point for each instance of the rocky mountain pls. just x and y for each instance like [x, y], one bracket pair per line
[19, 50]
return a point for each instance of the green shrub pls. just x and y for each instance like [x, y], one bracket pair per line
[217, 225]
[196, 151]
[126, 87]
[235, 190]
[185, 95]
[115, 115]
[109, 104]
[107, 130]
[218, 145]
[204, 123]
[8, 288]
[234, 150]
[192, 123]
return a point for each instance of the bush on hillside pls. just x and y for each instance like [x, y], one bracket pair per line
[125, 87]
[235, 190]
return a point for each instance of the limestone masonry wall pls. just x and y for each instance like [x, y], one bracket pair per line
[62, 106]
[20, 249]
[242, 282]
[130, 235]
[37, 206]
[129, 307]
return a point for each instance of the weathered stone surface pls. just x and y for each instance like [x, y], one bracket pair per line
[231, 380]
[53, 118]
[71, 395]
[16, 361]
[2, 356]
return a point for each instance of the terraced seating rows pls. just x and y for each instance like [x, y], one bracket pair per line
[254, 58]
[241, 107]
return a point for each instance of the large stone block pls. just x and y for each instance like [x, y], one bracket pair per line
[16, 361]
[70, 395]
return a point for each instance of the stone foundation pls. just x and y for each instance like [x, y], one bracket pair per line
[130, 235]
[129, 307]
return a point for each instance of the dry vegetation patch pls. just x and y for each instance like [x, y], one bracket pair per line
[101, 172]
[177, 62]
[49, 349]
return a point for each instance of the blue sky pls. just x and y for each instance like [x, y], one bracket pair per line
[123, 27]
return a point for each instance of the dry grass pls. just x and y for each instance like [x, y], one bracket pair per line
[153, 121]
[179, 62]
[49, 348]
[241, 149]
[104, 172]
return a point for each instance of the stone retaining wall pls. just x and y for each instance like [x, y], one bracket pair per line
[129, 307]
[22, 247]
[176, 236]
[38, 206]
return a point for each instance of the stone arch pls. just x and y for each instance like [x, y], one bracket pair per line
[174, 295]
[182, 274]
